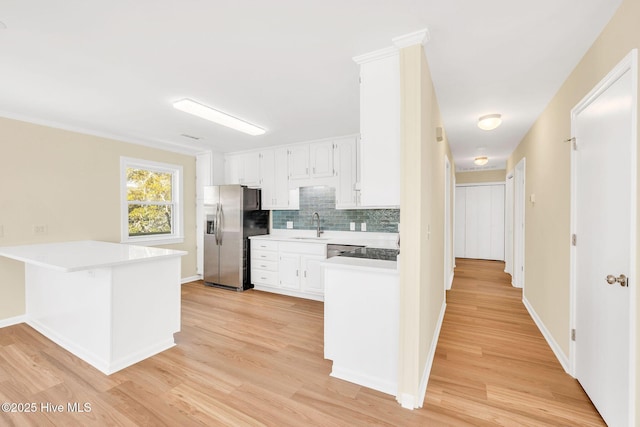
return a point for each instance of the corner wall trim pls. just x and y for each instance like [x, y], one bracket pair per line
[13, 321]
[562, 358]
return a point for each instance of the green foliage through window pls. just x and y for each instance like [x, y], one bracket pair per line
[149, 196]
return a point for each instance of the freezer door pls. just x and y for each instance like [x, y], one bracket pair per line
[211, 264]
[211, 259]
[231, 236]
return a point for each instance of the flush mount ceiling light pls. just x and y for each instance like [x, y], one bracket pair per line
[192, 107]
[481, 161]
[490, 121]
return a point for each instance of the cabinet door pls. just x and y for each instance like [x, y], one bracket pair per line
[232, 169]
[267, 179]
[312, 280]
[299, 162]
[345, 163]
[251, 169]
[289, 270]
[321, 158]
[281, 179]
[380, 132]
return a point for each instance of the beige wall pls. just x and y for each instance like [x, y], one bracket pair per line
[481, 176]
[422, 273]
[69, 182]
[547, 250]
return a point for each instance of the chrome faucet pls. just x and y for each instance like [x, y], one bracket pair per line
[315, 216]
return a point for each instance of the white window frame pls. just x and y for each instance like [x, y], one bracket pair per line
[177, 223]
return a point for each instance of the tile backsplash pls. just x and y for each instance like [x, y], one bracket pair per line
[323, 201]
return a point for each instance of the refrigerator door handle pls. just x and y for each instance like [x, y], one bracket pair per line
[220, 224]
[216, 225]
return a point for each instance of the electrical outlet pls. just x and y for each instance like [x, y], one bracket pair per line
[352, 226]
[289, 224]
[363, 226]
[39, 229]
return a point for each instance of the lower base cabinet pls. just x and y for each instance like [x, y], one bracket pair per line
[288, 268]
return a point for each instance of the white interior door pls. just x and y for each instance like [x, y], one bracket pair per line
[480, 221]
[603, 172]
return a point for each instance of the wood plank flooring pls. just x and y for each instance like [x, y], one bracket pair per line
[256, 359]
[492, 364]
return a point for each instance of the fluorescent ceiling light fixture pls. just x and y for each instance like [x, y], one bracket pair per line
[481, 161]
[192, 107]
[490, 121]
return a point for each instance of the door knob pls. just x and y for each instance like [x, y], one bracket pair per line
[622, 279]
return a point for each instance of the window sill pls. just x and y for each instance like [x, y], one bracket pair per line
[154, 241]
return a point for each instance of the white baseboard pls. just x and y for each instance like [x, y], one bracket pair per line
[431, 357]
[450, 281]
[562, 358]
[13, 321]
[409, 401]
[384, 385]
[190, 279]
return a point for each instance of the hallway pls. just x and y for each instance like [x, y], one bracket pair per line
[492, 364]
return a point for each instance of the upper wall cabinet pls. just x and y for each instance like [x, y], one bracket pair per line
[310, 161]
[321, 159]
[380, 128]
[274, 181]
[299, 161]
[242, 169]
[345, 156]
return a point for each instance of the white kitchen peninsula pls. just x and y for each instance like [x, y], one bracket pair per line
[362, 321]
[110, 304]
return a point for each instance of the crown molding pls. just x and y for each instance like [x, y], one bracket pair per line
[417, 37]
[375, 55]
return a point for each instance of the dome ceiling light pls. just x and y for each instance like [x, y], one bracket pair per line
[489, 121]
[481, 161]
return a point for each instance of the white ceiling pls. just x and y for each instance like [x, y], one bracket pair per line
[113, 67]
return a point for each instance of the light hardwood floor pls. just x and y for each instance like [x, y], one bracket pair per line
[255, 358]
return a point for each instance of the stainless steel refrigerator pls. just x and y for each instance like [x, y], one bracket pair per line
[232, 214]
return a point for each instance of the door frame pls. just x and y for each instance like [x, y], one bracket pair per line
[629, 63]
[519, 207]
[508, 223]
[448, 230]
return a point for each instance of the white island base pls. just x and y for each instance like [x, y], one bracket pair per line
[361, 321]
[111, 305]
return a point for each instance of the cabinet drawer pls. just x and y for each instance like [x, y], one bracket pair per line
[264, 256]
[264, 245]
[261, 264]
[264, 277]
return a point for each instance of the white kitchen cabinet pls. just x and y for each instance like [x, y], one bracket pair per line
[362, 324]
[345, 163]
[288, 268]
[232, 169]
[251, 169]
[311, 280]
[321, 159]
[298, 163]
[274, 181]
[268, 179]
[242, 169]
[380, 128]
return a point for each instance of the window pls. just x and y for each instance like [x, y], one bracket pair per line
[151, 202]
